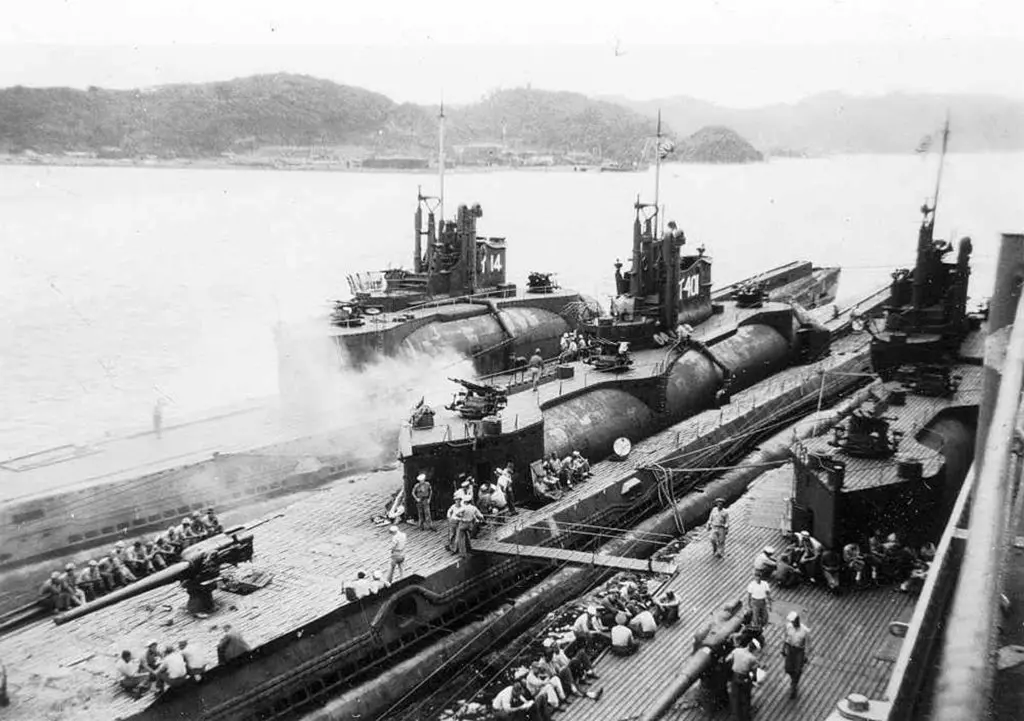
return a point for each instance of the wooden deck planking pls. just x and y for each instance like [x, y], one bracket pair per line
[846, 631]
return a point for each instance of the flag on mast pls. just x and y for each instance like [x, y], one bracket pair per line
[665, 148]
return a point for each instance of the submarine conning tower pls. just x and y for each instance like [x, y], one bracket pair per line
[455, 261]
[926, 315]
[663, 289]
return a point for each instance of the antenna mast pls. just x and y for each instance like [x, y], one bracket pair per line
[657, 173]
[440, 161]
[942, 162]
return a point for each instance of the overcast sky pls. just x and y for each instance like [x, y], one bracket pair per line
[738, 52]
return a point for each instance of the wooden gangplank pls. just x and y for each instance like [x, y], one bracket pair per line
[579, 558]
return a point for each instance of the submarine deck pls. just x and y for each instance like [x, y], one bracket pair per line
[449, 309]
[317, 544]
[526, 407]
[245, 427]
[838, 666]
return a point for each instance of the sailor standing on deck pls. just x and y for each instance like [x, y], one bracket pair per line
[453, 525]
[536, 365]
[796, 648]
[759, 599]
[398, 541]
[423, 492]
[718, 523]
[744, 666]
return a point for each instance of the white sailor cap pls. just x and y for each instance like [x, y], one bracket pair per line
[421, 477]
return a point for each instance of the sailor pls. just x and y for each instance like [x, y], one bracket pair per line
[668, 605]
[167, 546]
[453, 524]
[361, 587]
[198, 525]
[469, 518]
[90, 581]
[796, 649]
[172, 671]
[485, 499]
[744, 665]
[158, 417]
[154, 556]
[539, 683]
[623, 643]
[579, 665]
[718, 523]
[185, 532]
[674, 232]
[588, 627]
[195, 662]
[50, 593]
[135, 559]
[119, 569]
[581, 465]
[513, 703]
[465, 491]
[810, 556]
[505, 476]
[398, 541]
[536, 365]
[559, 669]
[231, 645]
[106, 568]
[212, 522]
[130, 676]
[73, 595]
[151, 658]
[499, 501]
[759, 600]
[643, 624]
[423, 492]
[174, 540]
[765, 563]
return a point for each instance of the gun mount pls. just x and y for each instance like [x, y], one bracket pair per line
[198, 571]
[477, 401]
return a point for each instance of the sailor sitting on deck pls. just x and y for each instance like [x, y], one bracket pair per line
[172, 671]
[130, 677]
[643, 624]
[765, 563]
[540, 682]
[810, 556]
[588, 628]
[546, 487]
[623, 643]
[668, 607]
[512, 702]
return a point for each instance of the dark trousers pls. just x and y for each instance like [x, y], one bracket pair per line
[423, 511]
[740, 690]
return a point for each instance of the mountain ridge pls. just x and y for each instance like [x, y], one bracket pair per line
[244, 115]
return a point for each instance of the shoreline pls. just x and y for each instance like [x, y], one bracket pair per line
[336, 166]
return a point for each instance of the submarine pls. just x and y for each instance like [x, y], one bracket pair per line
[669, 348]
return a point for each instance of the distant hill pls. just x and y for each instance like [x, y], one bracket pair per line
[556, 121]
[245, 114]
[191, 120]
[716, 144]
[839, 123]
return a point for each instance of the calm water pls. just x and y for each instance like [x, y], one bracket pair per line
[120, 286]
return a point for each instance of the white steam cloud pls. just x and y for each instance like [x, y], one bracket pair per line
[321, 392]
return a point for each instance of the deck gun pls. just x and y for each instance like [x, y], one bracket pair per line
[198, 571]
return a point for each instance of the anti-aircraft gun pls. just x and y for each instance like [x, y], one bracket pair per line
[477, 401]
[198, 571]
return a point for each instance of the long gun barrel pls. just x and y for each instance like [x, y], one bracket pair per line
[160, 578]
[697, 664]
[199, 567]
